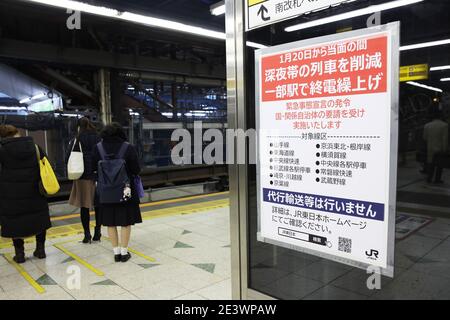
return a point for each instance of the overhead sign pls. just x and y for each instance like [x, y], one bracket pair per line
[265, 12]
[327, 118]
[414, 72]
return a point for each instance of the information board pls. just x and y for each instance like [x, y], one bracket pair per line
[327, 122]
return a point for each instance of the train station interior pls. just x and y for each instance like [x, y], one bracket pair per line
[158, 66]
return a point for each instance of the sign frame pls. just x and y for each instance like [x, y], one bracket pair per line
[394, 30]
[248, 5]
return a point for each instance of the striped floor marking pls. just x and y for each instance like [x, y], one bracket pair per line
[78, 259]
[24, 274]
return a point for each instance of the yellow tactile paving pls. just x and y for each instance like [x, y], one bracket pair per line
[74, 229]
[24, 274]
[79, 260]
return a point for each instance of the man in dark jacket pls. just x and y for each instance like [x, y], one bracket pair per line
[23, 210]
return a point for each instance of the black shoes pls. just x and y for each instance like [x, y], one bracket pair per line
[20, 254]
[19, 257]
[40, 251]
[97, 234]
[122, 258]
[126, 257]
[87, 238]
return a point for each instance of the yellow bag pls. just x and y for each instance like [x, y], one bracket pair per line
[50, 184]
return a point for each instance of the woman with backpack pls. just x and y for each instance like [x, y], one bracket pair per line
[23, 209]
[117, 166]
[83, 189]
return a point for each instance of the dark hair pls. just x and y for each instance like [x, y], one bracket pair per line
[7, 131]
[85, 125]
[113, 130]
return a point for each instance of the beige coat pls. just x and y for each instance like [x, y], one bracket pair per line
[436, 136]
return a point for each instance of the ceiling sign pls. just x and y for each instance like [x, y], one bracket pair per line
[265, 12]
[414, 72]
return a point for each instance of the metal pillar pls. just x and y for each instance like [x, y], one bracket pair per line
[236, 50]
[104, 77]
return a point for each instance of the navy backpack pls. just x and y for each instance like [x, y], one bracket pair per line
[112, 176]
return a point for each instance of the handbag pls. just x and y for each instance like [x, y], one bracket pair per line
[139, 186]
[75, 164]
[49, 182]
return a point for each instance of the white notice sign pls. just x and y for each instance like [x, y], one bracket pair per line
[265, 12]
[327, 122]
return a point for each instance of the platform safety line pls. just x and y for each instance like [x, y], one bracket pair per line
[150, 204]
[138, 253]
[24, 274]
[70, 229]
[78, 259]
[186, 209]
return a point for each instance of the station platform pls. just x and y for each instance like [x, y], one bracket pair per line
[180, 251]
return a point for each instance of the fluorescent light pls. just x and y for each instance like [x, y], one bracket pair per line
[132, 17]
[79, 6]
[425, 45]
[352, 14]
[416, 84]
[218, 8]
[445, 79]
[137, 18]
[12, 108]
[35, 97]
[440, 68]
[256, 45]
[171, 25]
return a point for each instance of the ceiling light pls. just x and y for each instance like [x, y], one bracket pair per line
[425, 45]
[12, 108]
[256, 45]
[132, 17]
[35, 97]
[79, 6]
[218, 8]
[137, 18]
[440, 68]
[445, 79]
[352, 14]
[416, 84]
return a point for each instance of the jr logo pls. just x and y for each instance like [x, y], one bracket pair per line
[372, 254]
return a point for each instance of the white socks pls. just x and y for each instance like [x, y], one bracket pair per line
[119, 250]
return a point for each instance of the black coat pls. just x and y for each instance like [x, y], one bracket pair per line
[23, 210]
[88, 141]
[112, 145]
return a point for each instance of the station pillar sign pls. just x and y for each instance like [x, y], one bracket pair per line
[265, 12]
[327, 122]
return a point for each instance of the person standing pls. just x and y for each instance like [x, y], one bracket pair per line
[24, 210]
[126, 213]
[435, 135]
[83, 189]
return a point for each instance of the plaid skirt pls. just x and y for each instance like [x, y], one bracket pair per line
[83, 194]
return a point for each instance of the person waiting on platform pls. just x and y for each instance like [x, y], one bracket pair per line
[83, 189]
[24, 210]
[118, 164]
[435, 135]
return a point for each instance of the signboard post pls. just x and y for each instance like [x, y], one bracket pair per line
[265, 12]
[327, 118]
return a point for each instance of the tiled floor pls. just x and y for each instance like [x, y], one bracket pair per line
[183, 256]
